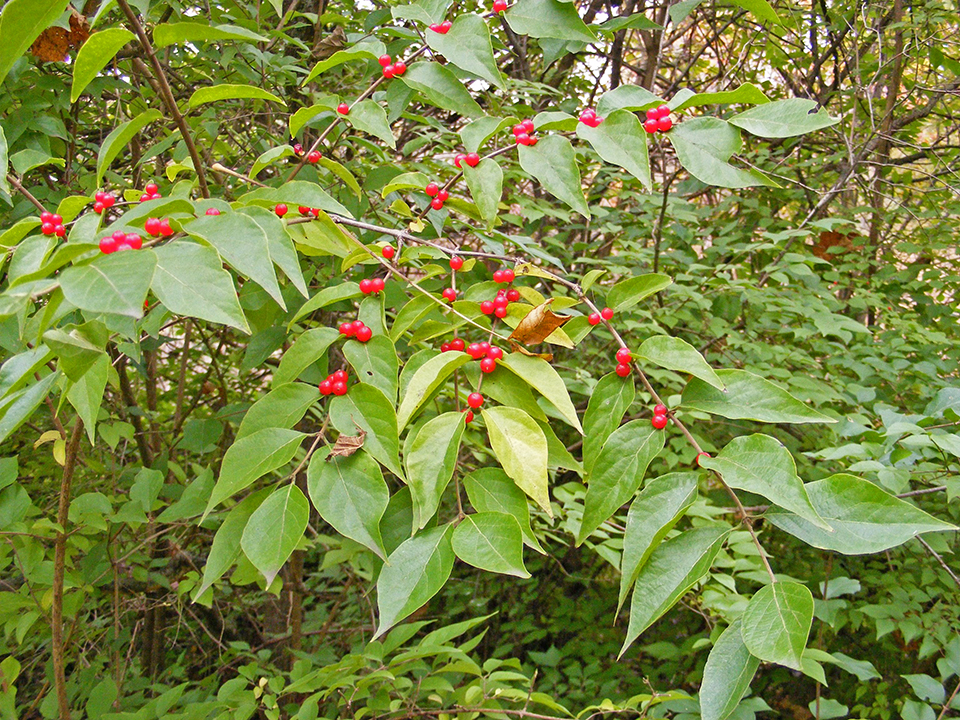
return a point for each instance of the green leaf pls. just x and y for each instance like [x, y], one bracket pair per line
[86, 394]
[627, 293]
[430, 462]
[369, 117]
[328, 296]
[21, 22]
[75, 351]
[486, 187]
[618, 472]
[491, 491]
[926, 688]
[341, 172]
[637, 21]
[747, 93]
[521, 447]
[622, 141]
[190, 280]
[308, 348]
[294, 194]
[865, 518]
[652, 515]
[414, 573]
[5, 187]
[784, 118]
[118, 139]
[282, 407]
[541, 376]
[367, 49]
[441, 87]
[16, 408]
[280, 246]
[116, 283]
[242, 243]
[727, 675]
[553, 163]
[94, 55]
[375, 362]
[761, 464]
[675, 354]
[548, 19]
[365, 406]
[250, 458]
[193, 32]
[275, 529]
[704, 145]
[425, 381]
[351, 495]
[610, 399]
[305, 114]
[491, 541]
[776, 623]
[749, 397]
[476, 133]
[468, 46]
[269, 157]
[673, 568]
[216, 93]
[626, 97]
[760, 9]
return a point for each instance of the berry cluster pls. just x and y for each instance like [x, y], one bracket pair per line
[120, 241]
[372, 286]
[442, 28]
[151, 192]
[439, 195]
[335, 384]
[659, 420]
[623, 362]
[486, 353]
[309, 211]
[157, 227]
[589, 117]
[356, 329]
[455, 344]
[103, 201]
[391, 69]
[504, 276]
[498, 306]
[471, 159]
[499, 6]
[51, 224]
[523, 133]
[605, 314]
[658, 120]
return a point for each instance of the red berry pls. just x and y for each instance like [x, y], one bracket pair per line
[468, 416]
[379, 284]
[346, 328]
[607, 313]
[388, 71]
[498, 276]
[436, 204]
[500, 312]
[499, 5]
[508, 275]
[457, 344]
[212, 211]
[315, 212]
[298, 149]
[487, 307]
[325, 387]
[523, 139]
[151, 189]
[357, 325]
[474, 400]
[313, 157]
[119, 235]
[98, 207]
[484, 347]
[343, 108]
[472, 159]
[622, 370]
[664, 124]
[456, 262]
[364, 334]
[108, 200]
[389, 251]
[48, 228]
[528, 125]
[513, 295]
[663, 111]
[443, 196]
[475, 351]
[594, 318]
[108, 245]
[165, 228]
[449, 294]
[445, 347]
[623, 355]
[399, 68]
[488, 365]
[280, 210]
[46, 217]
[533, 140]
[338, 387]
[60, 231]
[659, 409]
[303, 210]
[432, 189]
[366, 286]
[339, 376]
[152, 226]
[459, 159]
[650, 126]
[435, 27]
[384, 60]
[519, 129]
[701, 455]
[134, 241]
[659, 421]
[495, 353]
[445, 27]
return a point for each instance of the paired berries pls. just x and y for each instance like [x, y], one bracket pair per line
[150, 192]
[335, 384]
[455, 344]
[505, 276]
[442, 28]
[103, 201]
[343, 108]
[156, 227]
[456, 262]
[384, 60]
[595, 317]
[659, 420]
[297, 149]
[623, 361]
[589, 117]
[280, 210]
[120, 241]
[471, 159]
[356, 329]
[388, 251]
[313, 157]
[52, 224]
[305, 211]
[449, 294]
[395, 70]
[372, 286]
[523, 133]
[658, 120]
[499, 6]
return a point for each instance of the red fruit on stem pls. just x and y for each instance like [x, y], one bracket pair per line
[487, 307]
[313, 157]
[280, 210]
[622, 370]
[444, 347]
[435, 27]
[472, 159]
[346, 328]
[357, 325]
[366, 286]
[513, 295]
[701, 455]
[607, 313]
[134, 241]
[338, 387]
[399, 68]
[443, 196]
[340, 376]
[593, 318]
[664, 124]
[533, 140]
[152, 226]
[659, 409]
[495, 353]
[468, 416]
[165, 228]
[119, 235]
[449, 294]
[98, 207]
[624, 356]
[475, 351]
[388, 71]
[379, 284]
[151, 189]
[445, 27]
[108, 245]
[459, 159]
[659, 421]
[498, 276]
[325, 387]
[364, 334]
[523, 139]
[212, 211]
[499, 5]
[343, 108]
[48, 228]
[432, 189]
[519, 129]
[60, 231]
[436, 204]
[474, 400]
[528, 125]
[488, 365]
[303, 210]
[484, 347]
[46, 217]
[663, 111]
[457, 344]
[384, 60]
[388, 252]
[456, 262]
[500, 312]
[651, 126]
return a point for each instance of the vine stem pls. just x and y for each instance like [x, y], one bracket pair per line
[12, 179]
[946, 705]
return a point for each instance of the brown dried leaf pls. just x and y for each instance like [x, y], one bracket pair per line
[55, 42]
[79, 29]
[337, 40]
[831, 239]
[538, 325]
[347, 445]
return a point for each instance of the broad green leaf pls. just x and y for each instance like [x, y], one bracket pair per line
[486, 187]
[307, 349]
[192, 500]
[746, 93]
[21, 22]
[704, 145]
[341, 172]
[506, 388]
[442, 88]
[761, 464]
[541, 376]
[727, 675]
[375, 362]
[16, 408]
[627, 293]
[118, 139]
[328, 296]
[521, 447]
[760, 9]
[116, 283]
[216, 93]
[275, 529]
[363, 50]
[190, 280]
[491, 491]
[94, 55]
[681, 11]
[863, 669]
[618, 472]
[369, 117]
[365, 406]
[673, 568]
[675, 354]
[652, 515]
[865, 518]
[776, 623]
[491, 541]
[430, 462]
[784, 118]
[553, 162]
[610, 399]
[26, 160]
[279, 245]
[250, 458]
[351, 495]
[243, 244]
[621, 141]
[555, 120]
[425, 381]
[19, 369]
[548, 19]
[476, 133]
[626, 97]
[926, 688]
[306, 114]
[194, 33]
[637, 21]
[282, 407]
[75, 352]
[468, 46]
[749, 397]
[269, 157]
[297, 193]
[414, 573]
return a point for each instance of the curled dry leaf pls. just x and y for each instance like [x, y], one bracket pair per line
[538, 325]
[347, 445]
[54, 43]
